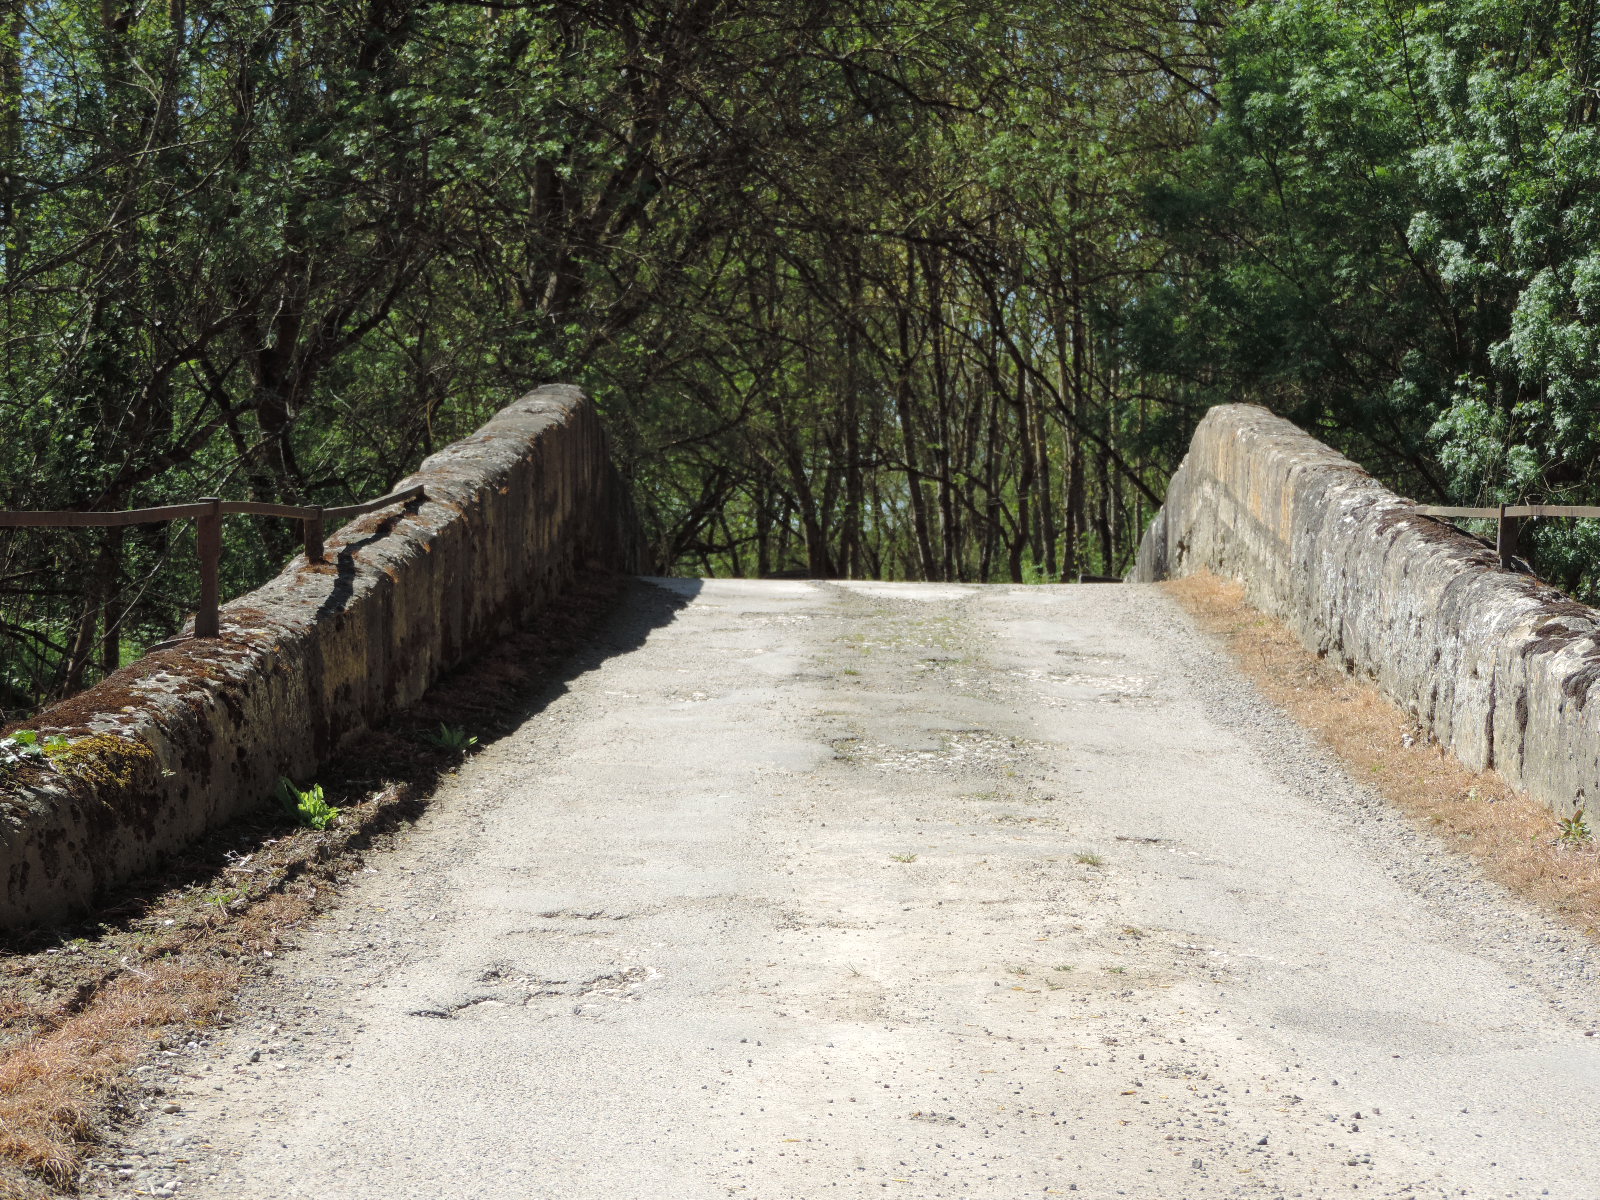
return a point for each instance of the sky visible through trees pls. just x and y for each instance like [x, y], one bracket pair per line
[924, 290]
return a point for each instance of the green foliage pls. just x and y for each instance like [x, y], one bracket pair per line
[825, 275]
[1573, 830]
[1390, 234]
[27, 745]
[451, 738]
[932, 290]
[309, 808]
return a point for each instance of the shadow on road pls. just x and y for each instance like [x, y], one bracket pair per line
[641, 607]
[385, 778]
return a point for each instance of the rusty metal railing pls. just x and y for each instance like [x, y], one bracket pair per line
[208, 514]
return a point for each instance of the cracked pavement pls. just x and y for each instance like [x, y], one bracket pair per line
[809, 890]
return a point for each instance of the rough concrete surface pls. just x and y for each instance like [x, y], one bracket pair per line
[200, 731]
[810, 890]
[1495, 664]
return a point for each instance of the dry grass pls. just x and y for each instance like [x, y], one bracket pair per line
[77, 1016]
[51, 1087]
[78, 1013]
[1515, 840]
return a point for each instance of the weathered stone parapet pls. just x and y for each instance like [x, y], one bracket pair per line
[198, 732]
[1496, 665]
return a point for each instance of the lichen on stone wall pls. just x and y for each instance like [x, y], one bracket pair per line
[105, 760]
[1494, 663]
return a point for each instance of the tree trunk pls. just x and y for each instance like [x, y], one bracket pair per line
[1046, 505]
[908, 441]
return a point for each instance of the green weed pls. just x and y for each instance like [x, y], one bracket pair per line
[1573, 830]
[26, 745]
[1088, 859]
[220, 900]
[309, 808]
[451, 738]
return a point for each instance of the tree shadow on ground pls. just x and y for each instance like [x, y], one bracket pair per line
[383, 779]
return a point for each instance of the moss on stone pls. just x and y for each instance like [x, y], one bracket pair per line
[103, 760]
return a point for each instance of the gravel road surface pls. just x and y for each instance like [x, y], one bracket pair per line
[796, 891]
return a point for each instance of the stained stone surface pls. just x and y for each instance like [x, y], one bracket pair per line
[319, 653]
[1495, 664]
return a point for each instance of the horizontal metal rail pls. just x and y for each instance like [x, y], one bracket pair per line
[294, 512]
[1512, 510]
[345, 512]
[177, 512]
[85, 520]
[208, 513]
[1508, 518]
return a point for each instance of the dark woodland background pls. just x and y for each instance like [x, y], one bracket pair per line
[913, 290]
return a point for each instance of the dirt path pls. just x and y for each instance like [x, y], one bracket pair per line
[901, 890]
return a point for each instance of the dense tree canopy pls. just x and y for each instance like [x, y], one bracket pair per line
[928, 290]
[1390, 234]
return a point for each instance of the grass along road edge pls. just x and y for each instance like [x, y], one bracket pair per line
[1516, 841]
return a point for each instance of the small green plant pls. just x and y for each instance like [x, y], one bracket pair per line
[1573, 830]
[309, 808]
[220, 900]
[1033, 572]
[1088, 859]
[1118, 970]
[27, 745]
[1062, 967]
[904, 857]
[1018, 970]
[452, 738]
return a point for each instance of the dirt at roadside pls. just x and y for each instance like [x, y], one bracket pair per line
[1517, 841]
[86, 1009]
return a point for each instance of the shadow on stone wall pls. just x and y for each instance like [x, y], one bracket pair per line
[198, 733]
[384, 781]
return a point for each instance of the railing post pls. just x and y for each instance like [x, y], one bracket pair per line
[1505, 539]
[311, 533]
[209, 543]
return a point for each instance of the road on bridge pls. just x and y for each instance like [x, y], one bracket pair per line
[809, 890]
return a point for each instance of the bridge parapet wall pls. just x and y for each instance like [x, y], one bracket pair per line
[1496, 665]
[199, 731]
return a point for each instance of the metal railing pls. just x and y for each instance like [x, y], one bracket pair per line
[1508, 519]
[208, 514]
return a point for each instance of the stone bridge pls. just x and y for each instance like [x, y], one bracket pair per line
[794, 890]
